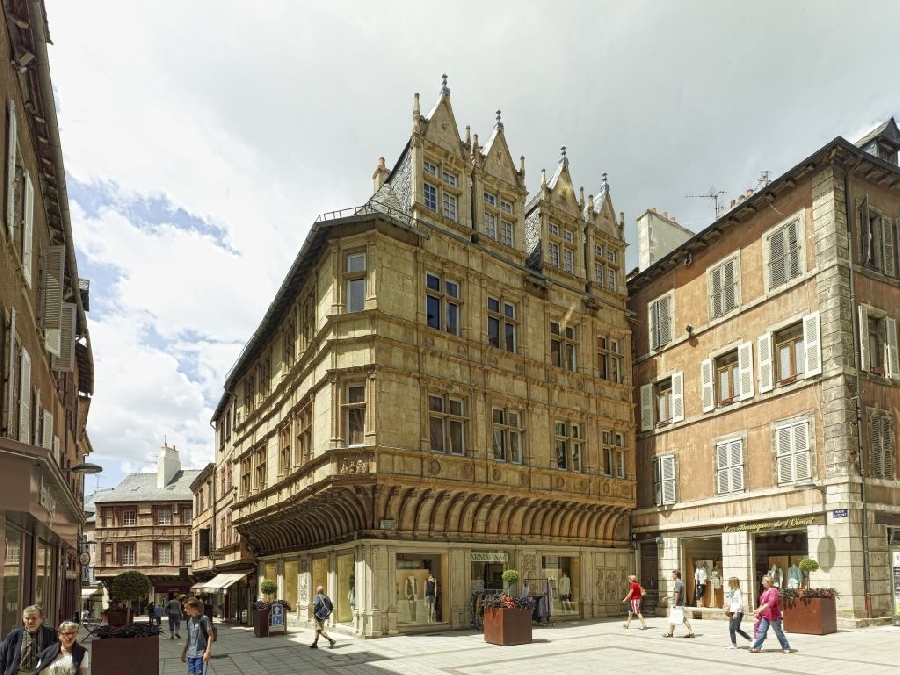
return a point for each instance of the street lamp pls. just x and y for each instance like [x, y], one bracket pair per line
[83, 468]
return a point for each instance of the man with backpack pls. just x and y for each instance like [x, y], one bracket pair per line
[322, 608]
[200, 636]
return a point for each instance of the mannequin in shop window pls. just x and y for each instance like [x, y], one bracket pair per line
[777, 575]
[794, 576]
[411, 592]
[565, 591]
[700, 577]
[715, 582]
[430, 593]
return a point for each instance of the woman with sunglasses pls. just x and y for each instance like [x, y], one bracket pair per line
[65, 657]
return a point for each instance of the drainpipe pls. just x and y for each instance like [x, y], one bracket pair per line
[860, 455]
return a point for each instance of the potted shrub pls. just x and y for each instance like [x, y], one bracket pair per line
[806, 609]
[507, 617]
[261, 608]
[133, 648]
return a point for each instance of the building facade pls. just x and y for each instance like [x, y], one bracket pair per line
[144, 523]
[222, 566]
[441, 387]
[45, 348]
[767, 386]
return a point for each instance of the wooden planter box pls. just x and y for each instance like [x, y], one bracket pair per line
[813, 616]
[125, 656]
[507, 626]
[261, 622]
[117, 617]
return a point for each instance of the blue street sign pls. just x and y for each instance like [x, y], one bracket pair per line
[276, 615]
[839, 513]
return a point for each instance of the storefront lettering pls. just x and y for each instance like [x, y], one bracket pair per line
[489, 557]
[46, 499]
[768, 526]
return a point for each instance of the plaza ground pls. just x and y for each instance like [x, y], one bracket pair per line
[569, 648]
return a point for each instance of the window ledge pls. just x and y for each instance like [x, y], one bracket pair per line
[726, 402]
[664, 423]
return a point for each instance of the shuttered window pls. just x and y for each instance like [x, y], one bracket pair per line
[724, 287]
[664, 480]
[881, 446]
[785, 254]
[730, 466]
[661, 317]
[792, 452]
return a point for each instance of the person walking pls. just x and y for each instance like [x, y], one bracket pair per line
[173, 611]
[676, 614]
[633, 598]
[200, 636]
[322, 608]
[769, 613]
[65, 657]
[151, 612]
[736, 612]
[20, 650]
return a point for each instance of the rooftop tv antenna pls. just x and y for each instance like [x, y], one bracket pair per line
[763, 180]
[713, 194]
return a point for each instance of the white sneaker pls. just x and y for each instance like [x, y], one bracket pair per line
[731, 647]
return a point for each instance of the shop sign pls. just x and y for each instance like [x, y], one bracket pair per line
[478, 556]
[840, 513]
[770, 525]
[46, 499]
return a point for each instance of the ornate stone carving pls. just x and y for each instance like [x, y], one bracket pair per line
[467, 471]
[523, 478]
[434, 466]
[560, 482]
[495, 474]
[529, 565]
[349, 466]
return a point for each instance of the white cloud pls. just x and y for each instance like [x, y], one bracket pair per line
[256, 120]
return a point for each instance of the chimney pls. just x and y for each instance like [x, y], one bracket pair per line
[380, 175]
[167, 465]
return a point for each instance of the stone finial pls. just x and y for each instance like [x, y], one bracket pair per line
[380, 175]
[498, 124]
[468, 135]
[563, 159]
[416, 109]
[581, 196]
[543, 178]
[444, 88]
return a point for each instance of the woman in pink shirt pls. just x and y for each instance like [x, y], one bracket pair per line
[633, 598]
[769, 614]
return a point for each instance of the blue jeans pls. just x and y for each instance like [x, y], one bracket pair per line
[195, 665]
[764, 629]
[734, 626]
[174, 622]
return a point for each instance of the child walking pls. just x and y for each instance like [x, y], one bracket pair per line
[200, 637]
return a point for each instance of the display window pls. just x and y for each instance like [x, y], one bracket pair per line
[702, 573]
[291, 570]
[345, 602]
[420, 588]
[561, 574]
[779, 555]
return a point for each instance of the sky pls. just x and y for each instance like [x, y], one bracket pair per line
[202, 138]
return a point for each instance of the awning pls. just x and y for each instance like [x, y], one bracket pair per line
[89, 592]
[218, 583]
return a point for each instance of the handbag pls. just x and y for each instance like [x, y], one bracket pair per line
[643, 591]
[729, 613]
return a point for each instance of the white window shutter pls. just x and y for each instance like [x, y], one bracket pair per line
[764, 354]
[722, 486]
[652, 308]
[887, 436]
[736, 450]
[876, 446]
[38, 411]
[47, 440]
[667, 469]
[715, 294]
[887, 246]
[11, 367]
[28, 232]
[706, 385]
[53, 270]
[812, 344]
[784, 454]
[667, 319]
[745, 370]
[890, 338]
[65, 362]
[677, 397]
[11, 168]
[864, 338]
[647, 407]
[801, 452]
[25, 397]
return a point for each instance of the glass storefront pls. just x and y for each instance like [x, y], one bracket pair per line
[487, 571]
[291, 569]
[319, 577]
[345, 602]
[12, 579]
[563, 573]
[44, 578]
[419, 587]
[778, 555]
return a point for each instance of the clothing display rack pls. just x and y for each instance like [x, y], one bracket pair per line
[542, 592]
[476, 606]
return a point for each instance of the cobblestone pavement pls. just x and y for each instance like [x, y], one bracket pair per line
[565, 648]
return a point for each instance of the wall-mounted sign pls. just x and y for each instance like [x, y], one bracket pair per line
[771, 525]
[840, 513]
[478, 556]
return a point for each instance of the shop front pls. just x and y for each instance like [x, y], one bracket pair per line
[386, 588]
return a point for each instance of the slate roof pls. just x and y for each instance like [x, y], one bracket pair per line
[141, 487]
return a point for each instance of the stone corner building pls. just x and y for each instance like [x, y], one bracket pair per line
[768, 387]
[441, 385]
